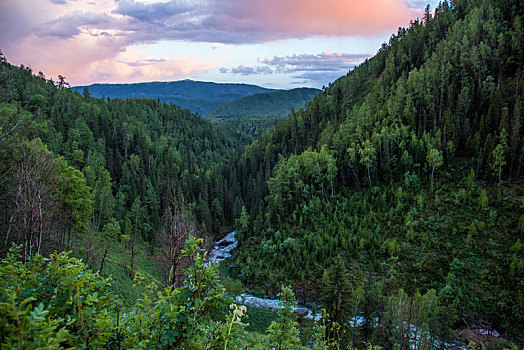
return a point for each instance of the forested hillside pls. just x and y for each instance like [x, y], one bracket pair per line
[250, 116]
[198, 96]
[81, 177]
[274, 104]
[245, 129]
[402, 181]
[394, 201]
[74, 166]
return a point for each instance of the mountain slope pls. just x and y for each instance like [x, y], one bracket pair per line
[198, 96]
[104, 176]
[405, 178]
[395, 198]
[274, 104]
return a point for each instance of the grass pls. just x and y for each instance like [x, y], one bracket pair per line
[259, 319]
[117, 266]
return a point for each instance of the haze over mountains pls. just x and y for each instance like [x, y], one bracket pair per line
[212, 100]
[198, 96]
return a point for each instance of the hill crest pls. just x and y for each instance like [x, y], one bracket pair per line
[274, 104]
[198, 96]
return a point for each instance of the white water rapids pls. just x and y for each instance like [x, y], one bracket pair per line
[222, 250]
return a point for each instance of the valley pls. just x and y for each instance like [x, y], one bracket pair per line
[385, 211]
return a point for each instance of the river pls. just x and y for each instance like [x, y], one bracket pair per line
[222, 250]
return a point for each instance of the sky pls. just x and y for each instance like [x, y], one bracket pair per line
[272, 43]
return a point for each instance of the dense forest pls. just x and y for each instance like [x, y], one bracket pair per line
[404, 178]
[198, 96]
[74, 166]
[394, 196]
[250, 116]
[274, 104]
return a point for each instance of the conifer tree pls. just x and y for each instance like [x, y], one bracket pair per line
[336, 292]
[498, 161]
[282, 333]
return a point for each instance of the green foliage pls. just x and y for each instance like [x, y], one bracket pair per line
[415, 320]
[111, 230]
[53, 303]
[435, 160]
[13, 123]
[336, 292]
[245, 129]
[483, 199]
[282, 333]
[233, 287]
[367, 156]
[123, 149]
[498, 161]
[442, 96]
[451, 82]
[76, 195]
[300, 177]
[177, 317]
[58, 303]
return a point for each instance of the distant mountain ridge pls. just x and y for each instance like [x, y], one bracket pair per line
[273, 104]
[198, 96]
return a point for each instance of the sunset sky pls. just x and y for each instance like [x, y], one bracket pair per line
[272, 43]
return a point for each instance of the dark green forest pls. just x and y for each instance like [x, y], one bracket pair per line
[198, 96]
[274, 104]
[395, 196]
[248, 117]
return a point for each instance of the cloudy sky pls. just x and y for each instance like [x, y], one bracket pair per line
[272, 43]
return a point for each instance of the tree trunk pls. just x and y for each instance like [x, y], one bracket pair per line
[321, 183]
[104, 258]
[97, 220]
[69, 238]
[89, 250]
[40, 224]
[408, 333]
[9, 229]
[131, 274]
[174, 270]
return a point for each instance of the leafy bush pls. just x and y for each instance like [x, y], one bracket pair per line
[52, 303]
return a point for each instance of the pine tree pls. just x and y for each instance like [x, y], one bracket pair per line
[336, 291]
[282, 333]
[498, 161]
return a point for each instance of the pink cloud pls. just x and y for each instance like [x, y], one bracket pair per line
[255, 21]
[84, 58]
[275, 19]
[88, 43]
[314, 70]
[152, 70]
